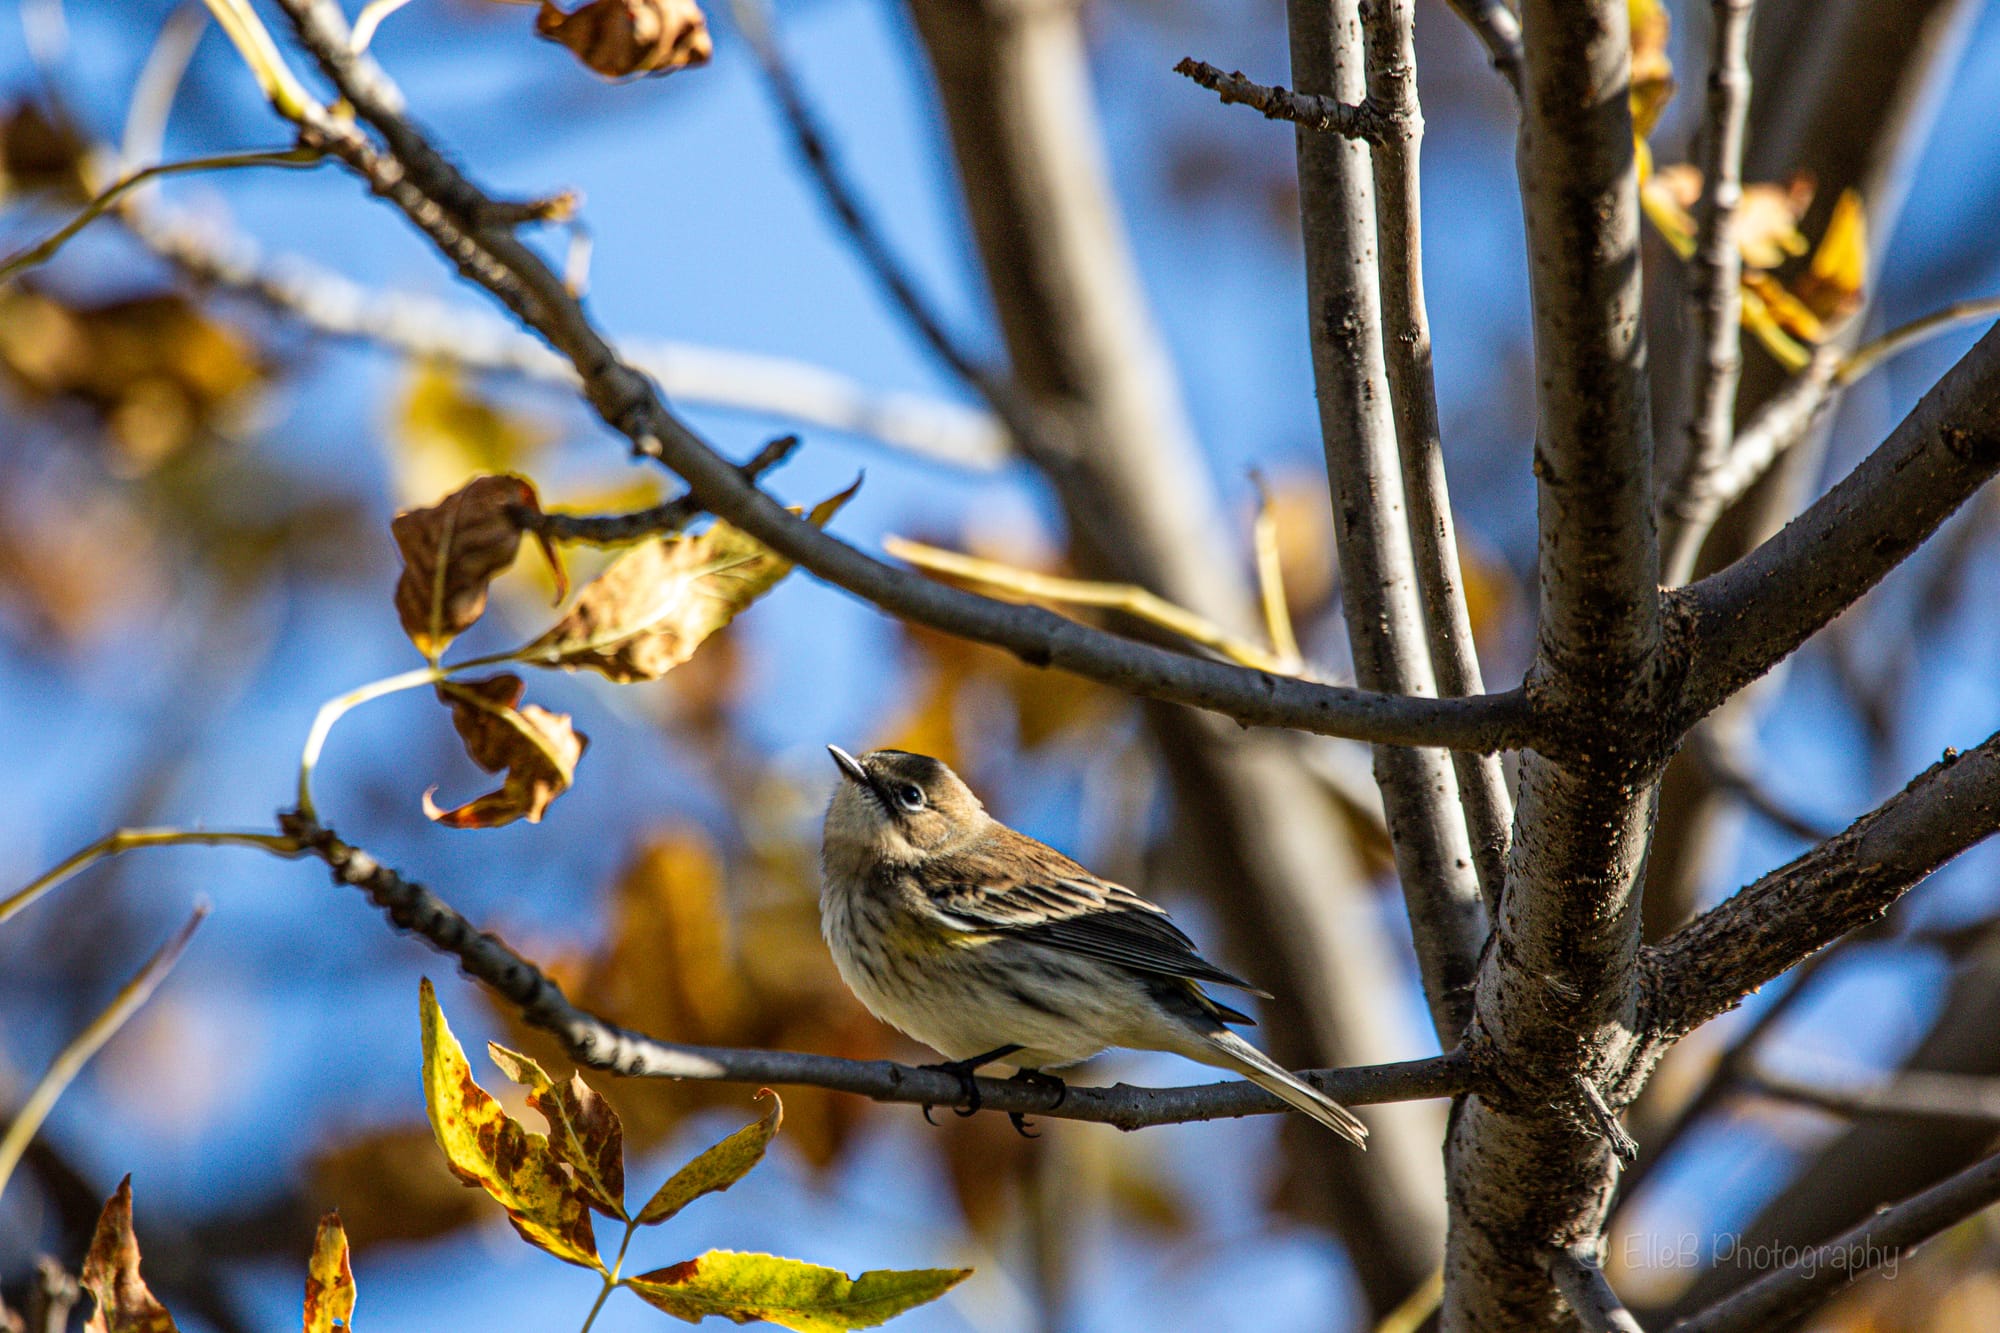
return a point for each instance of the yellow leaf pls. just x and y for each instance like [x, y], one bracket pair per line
[1652, 70]
[538, 750]
[485, 1146]
[786, 1292]
[1767, 222]
[1831, 287]
[717, 1168]
[111, 1274]
[329, 1280]
[1759, 318]
[445, 434]
[583, 1129]
[650, 610]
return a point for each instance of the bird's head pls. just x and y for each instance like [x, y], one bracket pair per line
[894, 805]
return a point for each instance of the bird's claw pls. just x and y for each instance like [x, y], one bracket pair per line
[1036, 1078]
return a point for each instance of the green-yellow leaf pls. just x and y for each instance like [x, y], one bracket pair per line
[786, 1292]
[111, 1274]
[583, 1129]
[718, 1168]
[329, 1280]
[489, 1148]
[655, 604]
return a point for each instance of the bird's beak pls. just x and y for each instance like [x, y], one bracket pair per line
[849, 765]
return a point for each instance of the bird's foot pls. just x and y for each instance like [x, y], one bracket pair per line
[1036, 1078]
[963, 1071]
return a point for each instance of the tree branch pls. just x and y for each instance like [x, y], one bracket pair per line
[1380, 600]
[659, 520]
[1746, 618]
[1915, 1093]
[1319, 112]
[442, 203]
[597, 1044]
[1392, 84]
[1716, 295]
[1706, 968]
[1499, 32]
[1778, 1300]
[1580, 1279]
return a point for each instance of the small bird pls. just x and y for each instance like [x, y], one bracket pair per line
[988, 945]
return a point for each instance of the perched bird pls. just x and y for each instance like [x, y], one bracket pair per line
[988, 945]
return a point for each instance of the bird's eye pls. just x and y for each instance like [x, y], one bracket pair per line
[910, 797]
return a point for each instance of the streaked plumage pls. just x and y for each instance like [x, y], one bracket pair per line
[970, 936]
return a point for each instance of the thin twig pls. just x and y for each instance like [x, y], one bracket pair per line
[45, 249]
[1363, 120]
[1917, 1093]
[597, 1044]
[1716, 293]
[1727, 772]
[1778, 1300]
[73, 1057]
[659, 521]
[1580, 1279]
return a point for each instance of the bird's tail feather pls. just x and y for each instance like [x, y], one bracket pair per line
[1269, 1075]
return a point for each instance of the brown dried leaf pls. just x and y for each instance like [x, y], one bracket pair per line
[1767, 221]
[650, 610]
[37, 153]
[617, 38]
[392, 1188]
[329, 1302]
[111, 1274]
[583, 1129]
[452, 551]
[538, 750]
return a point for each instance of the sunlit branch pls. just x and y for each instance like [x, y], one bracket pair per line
[1360, 120]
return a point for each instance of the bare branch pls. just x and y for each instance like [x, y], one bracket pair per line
[1727, 772]
[1780, 1299]
[1751, 615]
[439, 200]
[597, 1044]
[1312, 111]
[1917, 1093]
[1380, 598]
[1392, 84]
[1580, 1279]
[1716, 294]
[1499, 32]
[1707, 967]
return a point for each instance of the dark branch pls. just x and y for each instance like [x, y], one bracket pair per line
[1913, 1093]
[1707, 967]
[660, 520]
[1365, 120]
[1778, 1300]
[597, 1044]
[1748, 617]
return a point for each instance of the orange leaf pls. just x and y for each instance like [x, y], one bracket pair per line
[486, 1147]
[111, 1274]
[452, 551]
[621, 37]
[537, 749]
[1831, 288]
[650, 610]
[583, 1129]
[329, 1280]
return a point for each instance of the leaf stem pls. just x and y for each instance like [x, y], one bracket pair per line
[125, 839]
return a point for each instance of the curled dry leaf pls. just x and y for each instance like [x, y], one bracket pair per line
[617, 38]
[489, 1148]
[537, 749]
[452, 551]
[583, 1129]
[329, 1280]
[649, 611]
[111, 1274]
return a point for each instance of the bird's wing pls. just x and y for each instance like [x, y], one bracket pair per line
[1032, 892]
